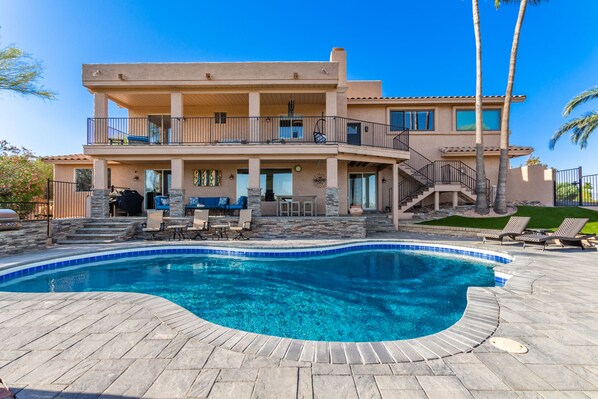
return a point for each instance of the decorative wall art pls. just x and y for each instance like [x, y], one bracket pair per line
[207, 177]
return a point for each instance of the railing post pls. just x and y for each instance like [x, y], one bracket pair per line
[580, 185]
[48, 224]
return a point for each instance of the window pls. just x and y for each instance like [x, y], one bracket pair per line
[84, 179]
[273, 182]
[466, 119]
[412, 120]
[220, 117]
[290, 128]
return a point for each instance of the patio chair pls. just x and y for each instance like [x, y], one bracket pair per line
[5, 392]
[567, 234]
[243, 225]
[200, 223]
[515, 226]
[154, 223]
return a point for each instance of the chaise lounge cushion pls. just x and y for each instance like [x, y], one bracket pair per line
[162, 202]
[240, 204]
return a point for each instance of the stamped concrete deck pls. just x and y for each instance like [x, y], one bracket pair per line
[90, 345]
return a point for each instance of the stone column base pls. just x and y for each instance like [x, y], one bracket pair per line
[254, 201]
[177, 204]
[332, 207]
[100, 208]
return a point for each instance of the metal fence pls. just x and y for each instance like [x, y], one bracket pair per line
[572, 188]
[62, 200]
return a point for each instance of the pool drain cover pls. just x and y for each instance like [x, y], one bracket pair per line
[508, 345]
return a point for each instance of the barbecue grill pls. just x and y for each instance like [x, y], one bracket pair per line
[9, 220]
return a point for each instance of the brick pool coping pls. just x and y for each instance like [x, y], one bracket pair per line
[478, 322]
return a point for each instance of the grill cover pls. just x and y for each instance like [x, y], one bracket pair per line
[9, 220]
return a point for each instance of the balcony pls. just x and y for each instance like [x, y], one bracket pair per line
[226, 130]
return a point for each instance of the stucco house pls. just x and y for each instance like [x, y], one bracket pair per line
[276, 130]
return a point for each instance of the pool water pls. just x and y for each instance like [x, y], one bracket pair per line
[372, 295]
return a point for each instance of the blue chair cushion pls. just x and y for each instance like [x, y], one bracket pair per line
[193, 201]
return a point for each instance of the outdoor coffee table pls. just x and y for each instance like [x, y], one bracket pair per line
[220, 231]
[177, 231]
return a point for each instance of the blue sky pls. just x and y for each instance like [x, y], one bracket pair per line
[414, 47]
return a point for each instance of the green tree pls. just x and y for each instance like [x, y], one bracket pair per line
[23, 176]
[20, 73]
[581, 127]
[500, 202]
[481, 204]
[533, 161]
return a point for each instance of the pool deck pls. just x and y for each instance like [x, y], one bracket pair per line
[109, 345]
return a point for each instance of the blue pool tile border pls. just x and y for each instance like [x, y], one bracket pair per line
[262, 252]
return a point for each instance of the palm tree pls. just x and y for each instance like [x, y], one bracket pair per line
[481, 203]
[500, 202]
[582, 127]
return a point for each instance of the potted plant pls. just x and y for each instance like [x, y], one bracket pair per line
[355, 210]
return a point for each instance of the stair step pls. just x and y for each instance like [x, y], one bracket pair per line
[72, 242]
[106, 225]
[102, 230]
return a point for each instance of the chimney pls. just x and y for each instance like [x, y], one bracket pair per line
[339, 55]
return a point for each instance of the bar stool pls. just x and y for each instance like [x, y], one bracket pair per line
[308, 208]
[295, 208]
[283, 208]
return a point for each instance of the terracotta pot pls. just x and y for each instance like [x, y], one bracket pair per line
[356, 211]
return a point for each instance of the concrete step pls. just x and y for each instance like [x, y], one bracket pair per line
[92, 236]
[106, 225]
[84, 242]
[102, 230]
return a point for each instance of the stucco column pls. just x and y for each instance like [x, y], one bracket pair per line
[331, 111]
[99, 194]
[177, 193]
[254, 113]
[455, 199]
[395, 195]
[332, 192]
[254, 192]
[100, 114]
[176, 114]
[436, 200]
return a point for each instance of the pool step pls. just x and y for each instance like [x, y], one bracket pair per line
[100, 232]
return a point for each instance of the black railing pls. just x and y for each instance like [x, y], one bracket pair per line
[433, 173]
[245, 130]
[572, 188]
[68, 200]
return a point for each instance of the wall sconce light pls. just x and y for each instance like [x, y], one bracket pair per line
[231, 177]
[366, 128]
[295, 75]
[383, 180]
[209, 76]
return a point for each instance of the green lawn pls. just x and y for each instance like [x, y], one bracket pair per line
[541, 217]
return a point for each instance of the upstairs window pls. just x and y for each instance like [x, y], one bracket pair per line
[220, 117]
[412, 120]
[466, 119]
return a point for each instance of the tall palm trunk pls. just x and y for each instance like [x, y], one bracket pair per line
[500, 203]
[481, 203]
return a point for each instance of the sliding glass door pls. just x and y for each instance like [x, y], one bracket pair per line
[157, 182]
[362, 190]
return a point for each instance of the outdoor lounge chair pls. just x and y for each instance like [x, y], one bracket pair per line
[154, 224]
[5, 392]
[515, 226]
[244, 224]
[200, 223]
[567, 234]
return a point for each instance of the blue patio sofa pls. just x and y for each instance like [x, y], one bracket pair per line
[162, 203]
[240, 204]
[208, 203]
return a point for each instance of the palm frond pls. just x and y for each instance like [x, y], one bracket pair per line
[588, 95]
[581, 128]
[497, 3]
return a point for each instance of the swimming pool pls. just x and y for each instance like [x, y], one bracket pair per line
[365, 292]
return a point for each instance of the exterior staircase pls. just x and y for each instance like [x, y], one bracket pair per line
[101, 232]
[377, 223]
[425, 177]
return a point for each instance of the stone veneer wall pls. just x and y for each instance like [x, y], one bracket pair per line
[100, 203]
[290, 228]
[177, 205]
[332, 201]
[254, 201]
[32, 236]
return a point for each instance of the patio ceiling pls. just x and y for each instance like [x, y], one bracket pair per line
[140, 100]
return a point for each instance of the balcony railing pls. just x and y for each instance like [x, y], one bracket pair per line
[244, 130]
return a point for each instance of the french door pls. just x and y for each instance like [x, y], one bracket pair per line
[362, 190]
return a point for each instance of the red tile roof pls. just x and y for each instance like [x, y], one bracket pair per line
[69, 157]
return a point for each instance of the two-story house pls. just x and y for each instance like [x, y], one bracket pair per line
[277, 130]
